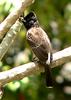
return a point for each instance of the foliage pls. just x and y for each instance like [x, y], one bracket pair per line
[55, 18]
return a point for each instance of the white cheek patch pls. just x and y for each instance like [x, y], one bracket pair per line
[49, 59]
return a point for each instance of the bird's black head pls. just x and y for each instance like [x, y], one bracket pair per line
[30, 20]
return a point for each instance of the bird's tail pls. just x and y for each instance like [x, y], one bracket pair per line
[48, 76]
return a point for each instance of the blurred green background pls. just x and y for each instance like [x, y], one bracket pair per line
[55, 18]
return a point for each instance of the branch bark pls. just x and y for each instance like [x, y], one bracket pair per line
[13, 16]
[22, 71]
[9, 38]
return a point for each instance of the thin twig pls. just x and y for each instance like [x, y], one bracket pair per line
[13, 16]
[22, 71]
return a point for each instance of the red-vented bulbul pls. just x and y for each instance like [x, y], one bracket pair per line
[40, 44]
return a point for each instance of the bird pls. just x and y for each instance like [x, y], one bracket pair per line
[40, 44]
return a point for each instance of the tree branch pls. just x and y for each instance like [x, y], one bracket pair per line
[13, 16]
[9, 38]
[22, 71]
